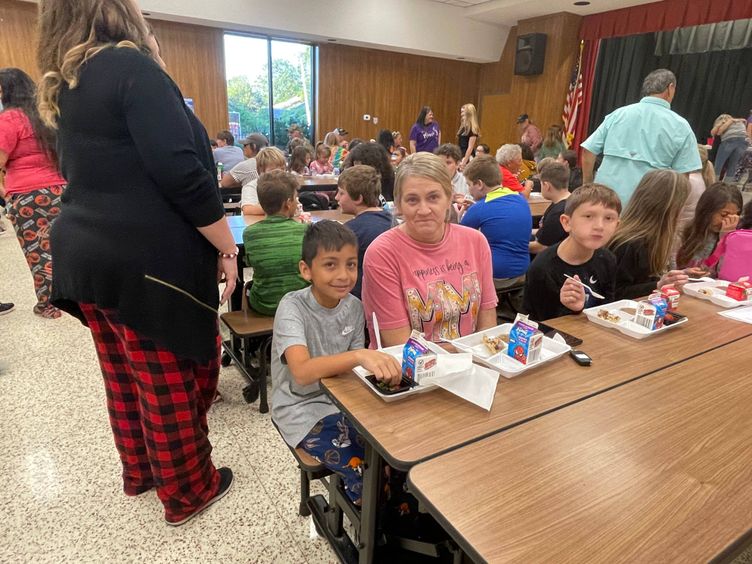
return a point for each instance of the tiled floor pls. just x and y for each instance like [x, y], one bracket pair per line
[61, 499]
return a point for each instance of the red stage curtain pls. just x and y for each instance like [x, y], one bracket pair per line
[661, 16]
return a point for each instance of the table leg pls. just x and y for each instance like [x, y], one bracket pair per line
[370, 502]
[236, 300]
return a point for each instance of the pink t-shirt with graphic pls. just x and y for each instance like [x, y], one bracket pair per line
[436, 289]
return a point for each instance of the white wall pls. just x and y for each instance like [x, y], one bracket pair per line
[420, 27]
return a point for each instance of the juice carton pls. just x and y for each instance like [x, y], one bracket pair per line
[525, 340]
[741, 290]
[671, 295]
[418, 361]
[651, 312]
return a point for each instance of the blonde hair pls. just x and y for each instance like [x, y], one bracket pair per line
[330, 139]
[652, 216]
[469, 123]
[708, 170]
[270, 158]
[422, 165]
[71, 33]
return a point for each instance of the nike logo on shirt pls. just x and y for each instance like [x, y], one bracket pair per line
[347, 330]
[593, 280]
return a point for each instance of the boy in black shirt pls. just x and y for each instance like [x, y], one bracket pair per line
[554, 178]
[590, 217]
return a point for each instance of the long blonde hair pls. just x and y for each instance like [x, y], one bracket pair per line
[652, 215]
[469, 124]
[71, 33]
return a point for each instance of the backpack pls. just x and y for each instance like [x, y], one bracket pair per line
[734, 253]
[312, 201]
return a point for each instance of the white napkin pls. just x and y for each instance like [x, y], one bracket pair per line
[741, 314]
[457, 374]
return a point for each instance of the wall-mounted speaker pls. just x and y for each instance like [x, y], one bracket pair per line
[531, 54]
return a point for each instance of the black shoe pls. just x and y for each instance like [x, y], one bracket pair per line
[6, 308]
[225, 483]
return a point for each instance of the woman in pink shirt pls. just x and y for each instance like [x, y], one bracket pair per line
[427, 274]
[32, 184]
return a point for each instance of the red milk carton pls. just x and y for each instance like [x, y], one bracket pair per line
[671, 295]
[740, 291]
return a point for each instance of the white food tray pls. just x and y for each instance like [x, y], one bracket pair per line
[396, 352]
[718, 293]
[625, 324]
[502, 362]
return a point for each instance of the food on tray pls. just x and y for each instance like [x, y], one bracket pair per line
[496, 344]
[740, 291]
[608, 316]
[705, 291]
[525, 340]
[418, 361]
[630, 311]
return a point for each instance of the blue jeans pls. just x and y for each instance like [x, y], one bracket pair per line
[335, 443]
[729, 153]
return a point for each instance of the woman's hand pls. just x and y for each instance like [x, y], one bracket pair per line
[677, 278]
[227, 272]
[729, 223]
[572, 295]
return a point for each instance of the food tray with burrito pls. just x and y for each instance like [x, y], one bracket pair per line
[715, 291]
[638, 320]
[491, 348]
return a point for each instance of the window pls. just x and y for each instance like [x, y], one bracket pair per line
[269, 87]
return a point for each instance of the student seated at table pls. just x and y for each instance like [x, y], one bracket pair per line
[358, 194]
[374, 155]
[300, 159]
[267, 160]
[318, 332]
[590, 218]
[554, 179]
[427, 274]
[273, 245]
[569, 158]
[321, 165]
[452, 157]
[646, 235]
[503, 216]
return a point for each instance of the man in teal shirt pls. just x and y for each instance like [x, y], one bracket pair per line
[641, 137]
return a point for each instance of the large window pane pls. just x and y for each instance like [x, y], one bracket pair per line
[246, 67]
[292, 96]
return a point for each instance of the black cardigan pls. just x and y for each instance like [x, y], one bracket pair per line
[140, 181]
[633, 277]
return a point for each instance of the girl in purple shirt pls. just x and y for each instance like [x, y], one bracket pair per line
[425, 134]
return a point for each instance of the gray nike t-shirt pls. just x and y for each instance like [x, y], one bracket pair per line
[301, 320]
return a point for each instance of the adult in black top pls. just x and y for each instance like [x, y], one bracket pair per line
[545, 277]
[141, 181]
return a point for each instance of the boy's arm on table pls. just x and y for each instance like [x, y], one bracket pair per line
[306, 370]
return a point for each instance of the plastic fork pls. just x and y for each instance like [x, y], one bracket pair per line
[588, 288]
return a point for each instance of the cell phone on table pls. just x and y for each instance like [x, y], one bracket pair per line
[549, 332]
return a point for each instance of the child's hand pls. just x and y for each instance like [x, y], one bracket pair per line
[729, 223]
[458, 198]
[572, 295]
[676, 277]
[696, 272]
[384, 366]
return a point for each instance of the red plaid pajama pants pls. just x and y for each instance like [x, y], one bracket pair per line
[157, 404]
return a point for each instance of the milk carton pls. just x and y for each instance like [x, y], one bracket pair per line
[651, 312]
[671, 295]
[418, 361]
[741, 290]
[525, 340]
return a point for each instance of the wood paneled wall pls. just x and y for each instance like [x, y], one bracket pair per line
[392, 86]
[18, 22]
[504, 95]
[194, 57]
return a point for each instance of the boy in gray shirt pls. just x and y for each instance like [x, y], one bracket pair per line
[318, 332]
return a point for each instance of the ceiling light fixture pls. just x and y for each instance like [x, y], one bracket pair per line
[582, 3]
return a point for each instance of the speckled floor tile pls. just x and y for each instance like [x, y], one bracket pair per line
[62, 498]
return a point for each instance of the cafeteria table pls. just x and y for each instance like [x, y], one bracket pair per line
[407, 432]
[538, 206]
[657, 470]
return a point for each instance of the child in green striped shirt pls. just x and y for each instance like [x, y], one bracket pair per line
[273, 246]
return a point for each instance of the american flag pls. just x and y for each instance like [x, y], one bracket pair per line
[574, 100]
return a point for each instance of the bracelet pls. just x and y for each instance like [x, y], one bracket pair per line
[232, 255]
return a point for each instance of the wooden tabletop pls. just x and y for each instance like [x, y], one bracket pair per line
[538, 206]
[658, 470]
[425, 425]
[318, 181]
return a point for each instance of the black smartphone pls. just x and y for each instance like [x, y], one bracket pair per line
[580, 357]
[405, 385]
[549, 332]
